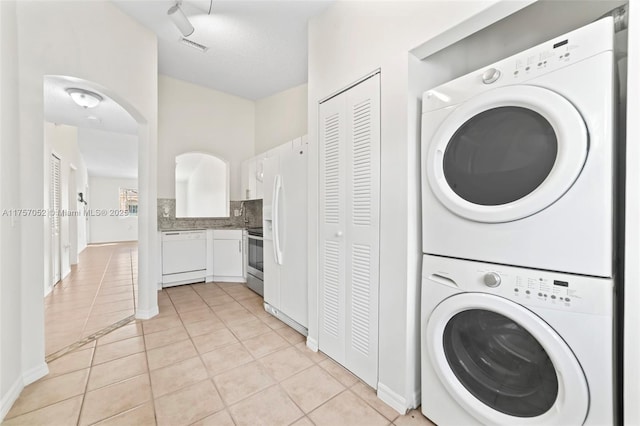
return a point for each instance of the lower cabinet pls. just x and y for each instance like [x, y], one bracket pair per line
[228, 255]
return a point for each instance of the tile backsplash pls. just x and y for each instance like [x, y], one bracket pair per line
[251, 216]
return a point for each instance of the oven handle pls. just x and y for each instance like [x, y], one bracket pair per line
[254, 237]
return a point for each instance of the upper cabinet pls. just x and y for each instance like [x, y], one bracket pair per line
[202, 185]
[252, 175]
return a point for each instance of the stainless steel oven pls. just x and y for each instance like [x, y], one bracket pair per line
[255, 265]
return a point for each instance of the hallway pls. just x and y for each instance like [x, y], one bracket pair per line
[98, 292]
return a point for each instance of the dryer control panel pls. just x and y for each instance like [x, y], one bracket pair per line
[544, 58]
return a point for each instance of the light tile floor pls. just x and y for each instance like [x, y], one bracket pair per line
[212, 356]
[98, 292]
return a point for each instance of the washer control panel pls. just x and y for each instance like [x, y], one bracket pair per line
[528, 287]
[531, 287]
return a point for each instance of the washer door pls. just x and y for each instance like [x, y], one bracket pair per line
[507, 154]
[504, 364]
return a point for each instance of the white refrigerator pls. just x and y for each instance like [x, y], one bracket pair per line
[285, 233]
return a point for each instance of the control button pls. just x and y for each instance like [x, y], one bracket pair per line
[516, 72]
[540, 294]
[492, 279]
[545, 295]
[553, 296]
[566, 55]
[528, 292]
[490, 75]
[539, 64]
[516, 290]
[566, 299]
[527, 68]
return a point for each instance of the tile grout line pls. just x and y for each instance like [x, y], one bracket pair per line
[96, 295]
[91, 338]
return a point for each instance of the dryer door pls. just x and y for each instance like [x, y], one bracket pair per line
[504, 364]
[506, 154]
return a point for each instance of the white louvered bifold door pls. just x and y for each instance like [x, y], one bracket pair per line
[362, 231]
[332, 221]
[349, 228]
[54, 219]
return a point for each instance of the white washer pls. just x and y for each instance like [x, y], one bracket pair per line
[513, 346]
[518, 158]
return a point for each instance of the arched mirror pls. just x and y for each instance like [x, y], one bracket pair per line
[202, 185]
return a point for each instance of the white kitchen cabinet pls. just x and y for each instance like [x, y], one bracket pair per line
[228, 255]
[349, 219]
[252, 172]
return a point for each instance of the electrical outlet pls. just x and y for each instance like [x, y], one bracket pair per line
[236, 212]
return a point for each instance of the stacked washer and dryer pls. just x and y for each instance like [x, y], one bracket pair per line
[518, 238]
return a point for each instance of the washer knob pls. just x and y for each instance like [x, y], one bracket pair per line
[490, 75]
[492, 279]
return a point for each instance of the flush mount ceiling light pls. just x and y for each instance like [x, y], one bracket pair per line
[180, 20]
[84, 98]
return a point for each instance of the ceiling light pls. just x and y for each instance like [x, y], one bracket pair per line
[84, 98]
[198, 46]
[180, 20]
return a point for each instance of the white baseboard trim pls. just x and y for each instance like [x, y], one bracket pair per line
[147, 314]
[416, 399]
[224, 279]
[35, 373]
[392, 399]
[312, 344]
[10, 397]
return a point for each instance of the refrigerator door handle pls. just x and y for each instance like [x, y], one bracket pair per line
[277, 188]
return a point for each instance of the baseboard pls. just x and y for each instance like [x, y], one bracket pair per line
[392, 399]
[223, 279]
[35, 373]
[312, 344]
[147, 313]
[416, 399]
[10, 397]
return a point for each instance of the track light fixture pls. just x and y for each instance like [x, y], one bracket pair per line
[180, 20]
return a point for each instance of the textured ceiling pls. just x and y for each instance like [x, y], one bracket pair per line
[256, 48]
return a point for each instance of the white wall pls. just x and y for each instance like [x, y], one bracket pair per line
[96, 42]
[105, 196]
[340, 52]
[195, 118]
[10, 280]
[62, 141]
[280, 118]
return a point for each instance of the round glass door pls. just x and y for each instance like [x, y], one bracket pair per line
[500, 363]
[506, 154]
[504, 364]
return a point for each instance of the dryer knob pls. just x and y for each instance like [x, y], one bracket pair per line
[492, 279]
[490, 75]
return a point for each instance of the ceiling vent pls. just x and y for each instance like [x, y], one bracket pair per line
[202, 48]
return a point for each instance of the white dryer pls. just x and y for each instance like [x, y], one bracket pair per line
[512, 346]
[518, 158]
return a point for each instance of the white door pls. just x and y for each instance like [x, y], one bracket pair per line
[54, 219]
[504, 364]
[349, 228]
[505, 154]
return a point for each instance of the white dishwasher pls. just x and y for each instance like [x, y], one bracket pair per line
[184, 257]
